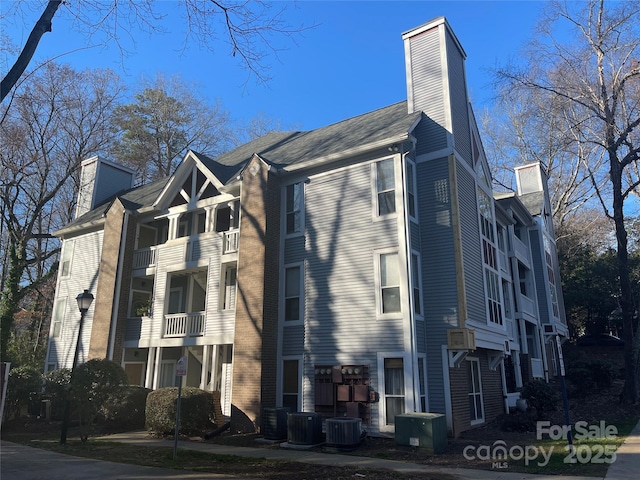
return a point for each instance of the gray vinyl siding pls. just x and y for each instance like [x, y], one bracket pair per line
[341, 325]
[82, 275]
[421, 338]
[471, 249]
[438, 269]
[341, 239]
[414, 235]
[294, 249]
[539, 272]
[292, 340]
[458, 99]
[428, 85]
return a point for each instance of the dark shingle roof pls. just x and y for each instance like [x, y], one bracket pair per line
[294, 148]
[282, 149]
[534, 202]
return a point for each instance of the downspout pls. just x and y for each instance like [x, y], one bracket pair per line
[118, 286]
[412, 320]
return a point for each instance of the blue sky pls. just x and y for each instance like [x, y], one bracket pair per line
[350, 63]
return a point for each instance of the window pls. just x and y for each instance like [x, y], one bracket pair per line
[385, 187]
[294, 208]
[415, 284]
[411, 196]
[292, 293]
[290, 384]
[551, 277]
[476, 410]
[421, 378]
[228, 301]
[67, 256]
[393, 389]
[58, 316]
[490, 259]
[389, 297]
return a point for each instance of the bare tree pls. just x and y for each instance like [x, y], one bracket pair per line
[594, 78]
[246, 27]
[55, 120]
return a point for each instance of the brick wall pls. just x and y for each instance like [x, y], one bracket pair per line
[106, 282]
[254, 340]
[492, 398]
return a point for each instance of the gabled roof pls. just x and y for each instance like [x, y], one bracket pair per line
[292, 149]
[285, 150]
[132, 199]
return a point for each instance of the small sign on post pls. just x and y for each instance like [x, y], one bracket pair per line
[181, 371]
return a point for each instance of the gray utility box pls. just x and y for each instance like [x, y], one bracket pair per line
[424, 430]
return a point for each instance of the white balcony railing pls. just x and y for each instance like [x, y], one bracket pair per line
[526, 305]
[230, 241]
[536, 368]
[144, 257]
[504, 263]
[184, 325]
[521, 250]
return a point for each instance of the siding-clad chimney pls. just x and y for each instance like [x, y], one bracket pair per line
[99, 180]
[436, 85]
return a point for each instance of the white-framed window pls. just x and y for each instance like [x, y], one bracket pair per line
[58, 317]
[416, 284]
[551, 277]
[229, 282]
[385, 187]
[293, 293]
[394, 401]
[492, 284]
[476, 404]
[67, 258]
[294, 208]
[291, 384]
[410, 169]
[388, 297]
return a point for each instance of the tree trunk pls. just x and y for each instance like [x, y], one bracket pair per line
[10, 294]
[42, 26]
[630, 392]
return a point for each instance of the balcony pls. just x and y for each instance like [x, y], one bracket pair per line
[144, 257]
[526, 305]
[536, 368]
[230, 241]
[180, 325]
[521, 251]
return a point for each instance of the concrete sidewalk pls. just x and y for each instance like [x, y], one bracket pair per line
[626, 466]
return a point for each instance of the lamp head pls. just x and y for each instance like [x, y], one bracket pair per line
[84, 300]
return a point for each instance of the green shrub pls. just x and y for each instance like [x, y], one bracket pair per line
[196, 411]
[124, 408]
[23, 390]
[517, 422]
[91, 384]
[540, 396]
[56, 388]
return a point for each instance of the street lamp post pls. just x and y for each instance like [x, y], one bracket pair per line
[84, 300]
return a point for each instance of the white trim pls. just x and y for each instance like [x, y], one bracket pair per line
[280, 380]
[407, 365]
[476, 360]
[377, 254]
[301, 297]
[398, 188]
[302, 183]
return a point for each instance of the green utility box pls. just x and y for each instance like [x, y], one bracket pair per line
[423, 430]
